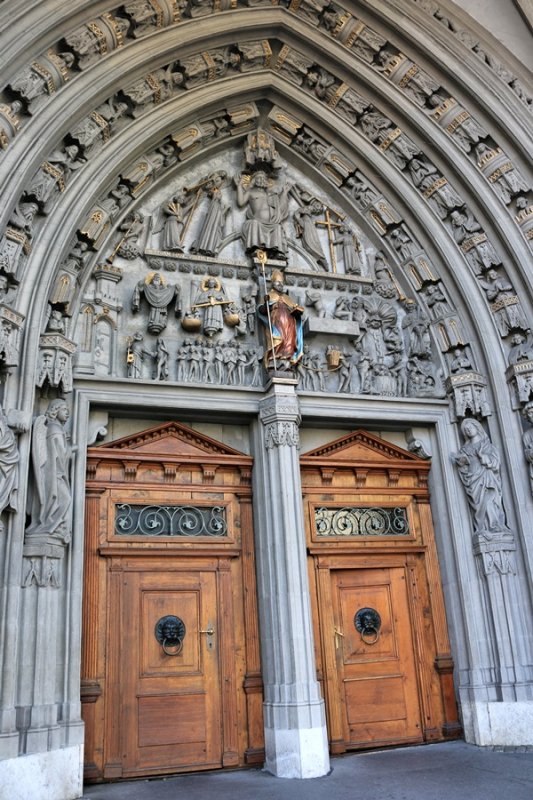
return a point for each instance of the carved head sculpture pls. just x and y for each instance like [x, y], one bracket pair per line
[277, 280]
[472, 429]
[527, 411]
[58, 409]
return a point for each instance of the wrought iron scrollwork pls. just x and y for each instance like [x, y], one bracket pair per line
[361, 521]
[137, 520]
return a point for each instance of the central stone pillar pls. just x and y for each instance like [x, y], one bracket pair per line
[295, 726]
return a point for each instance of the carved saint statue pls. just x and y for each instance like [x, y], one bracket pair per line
[282, 318]
[214, 303]
[175, 213]
[267, 209]
[50, 511]
[9, 467]
[212, 230]
[527, 440]
[478, 463]
[159, 297]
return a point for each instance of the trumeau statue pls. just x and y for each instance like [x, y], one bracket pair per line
[158, 297]
[52, 498]
[281, 317]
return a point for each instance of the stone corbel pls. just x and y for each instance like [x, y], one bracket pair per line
[467, 392]
[520, 379]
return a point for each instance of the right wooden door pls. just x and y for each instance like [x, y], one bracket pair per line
[375, 667]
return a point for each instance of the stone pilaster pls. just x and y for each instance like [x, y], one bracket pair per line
[295, 728]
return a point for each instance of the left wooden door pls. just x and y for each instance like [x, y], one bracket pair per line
[169, 703]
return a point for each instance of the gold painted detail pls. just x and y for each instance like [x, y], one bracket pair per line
[380, 225]
[176, 17]
[217, 6]
[46, 74]
[524, 215]
[341, 24]
[295, 5]
[409, 75]
[111, 21]
[484, 160]
[4, 141]
[458, 120]
[394, 64]
[444, 108]
[55, 173]
[479, 238]
[100, 37]
[20, 238]
[438, 184]
[504, 302]
[154, 84]
[60, 65]
[283, 53]
[102, 123]
[497, 174]
[211, 66]
[339, 93]
[386, 143]
[158, 13]
[357, 30]
[267, 51]
[9, 115]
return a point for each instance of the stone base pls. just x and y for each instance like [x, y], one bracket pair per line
[55, 775]
[297, 753]
[498, 724]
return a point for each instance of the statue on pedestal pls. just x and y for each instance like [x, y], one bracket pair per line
[282, 318]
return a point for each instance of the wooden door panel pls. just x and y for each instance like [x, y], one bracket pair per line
[378, 681]
[170, 703]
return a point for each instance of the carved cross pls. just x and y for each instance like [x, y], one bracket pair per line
[329, 225]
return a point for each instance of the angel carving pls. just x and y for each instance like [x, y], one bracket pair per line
[52, 496]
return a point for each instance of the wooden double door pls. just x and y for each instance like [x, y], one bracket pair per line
[171, 677]
[380, 628]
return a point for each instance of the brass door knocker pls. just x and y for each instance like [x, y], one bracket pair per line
[170, 633]
[368, 622]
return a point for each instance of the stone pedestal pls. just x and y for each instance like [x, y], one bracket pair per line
[295, 727]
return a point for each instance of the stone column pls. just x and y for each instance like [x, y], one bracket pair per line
[295, 727]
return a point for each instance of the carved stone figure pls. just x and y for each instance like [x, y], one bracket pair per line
[211, 232]
[159, 297]
[281, 317]
[249, 304]
[402, 242]
[161, 356]
[56, 322]
[309, 144]
[350, 249]
[132, 231]
[135, 356]
[208, 66]
[9, 468]
[505, 306]
[214, 304]
[436, 300]
[174, 214]
[457, 121]
[93, 131]
[468, 233]
[478, 463]
[307, 232]
[42, 78]
[416, 331]
[460, 362]
[50, 179]
[102, 35]
[50, 509]
[267, 209]
[527, 440]
[521, 348]
[500, 172]
[360, 191]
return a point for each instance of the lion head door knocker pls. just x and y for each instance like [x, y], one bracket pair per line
[368, 622]
[170, 633]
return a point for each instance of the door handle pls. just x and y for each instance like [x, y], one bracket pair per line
[337, 633]
[209, 633]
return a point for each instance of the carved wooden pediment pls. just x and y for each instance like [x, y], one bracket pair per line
[173, 439]
[362, 446]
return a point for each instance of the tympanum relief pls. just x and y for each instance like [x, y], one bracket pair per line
[228, 275]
